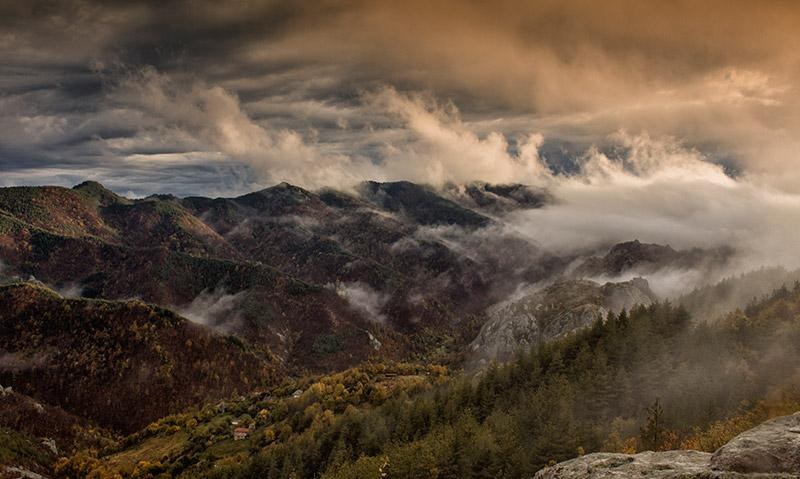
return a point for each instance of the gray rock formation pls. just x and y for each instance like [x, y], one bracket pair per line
[544, 315]
[771, 450]
[771, 447]
[661, 465]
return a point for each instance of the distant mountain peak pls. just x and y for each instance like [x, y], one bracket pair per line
[280, 199]
[630, 252]
[98, 193]
[499, 198]
[420, 203]
[648, 257]
[89, 184]
[285, 185]
[282, 189]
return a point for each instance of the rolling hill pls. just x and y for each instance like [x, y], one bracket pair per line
[102, 360]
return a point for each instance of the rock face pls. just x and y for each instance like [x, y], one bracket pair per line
[661, 465]
[771, 447]
[559, 309]
[771, 450]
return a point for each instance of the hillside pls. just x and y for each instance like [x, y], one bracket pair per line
[421, 204]
[595, 390]
[104, 359]
[194, 443]
[737, 292]
[598, 389]
[60, 210]
[165, 222]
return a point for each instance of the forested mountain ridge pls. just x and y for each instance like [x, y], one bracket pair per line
[248, 309]
[598, 389]
[394, 270]
[270, 307]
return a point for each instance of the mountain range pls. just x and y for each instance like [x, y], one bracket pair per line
[121, 311]
[400, 262]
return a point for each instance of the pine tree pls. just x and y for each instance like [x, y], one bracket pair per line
[622, 320]
[652, 434]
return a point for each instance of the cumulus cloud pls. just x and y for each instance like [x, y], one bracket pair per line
[438, 148]
[211, 119]
[423, 141]
[657, 190]
[297, 92]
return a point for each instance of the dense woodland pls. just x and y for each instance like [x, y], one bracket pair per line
[648, 379]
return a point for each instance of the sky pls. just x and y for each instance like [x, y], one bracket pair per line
[672, 122]
[218, 98]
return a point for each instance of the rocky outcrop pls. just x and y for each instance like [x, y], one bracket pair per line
[771, 450]
[660, 465]
[544, 315]
[645, 258]
[771, 447]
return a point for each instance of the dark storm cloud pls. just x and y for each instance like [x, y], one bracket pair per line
[349, 90]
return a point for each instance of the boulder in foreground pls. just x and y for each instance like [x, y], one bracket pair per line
[661, 465]
[771, 450]
[772, 447]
